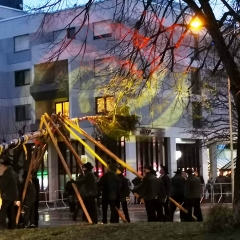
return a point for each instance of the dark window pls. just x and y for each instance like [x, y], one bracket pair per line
[149, 151]
[22, 78]
[195, 81]
[117, 147]
[71, 32]
[104, 104]
[197, 114]
[23, 112]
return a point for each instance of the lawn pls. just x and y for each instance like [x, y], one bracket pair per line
[133, 231]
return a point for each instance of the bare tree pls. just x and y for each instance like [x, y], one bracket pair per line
[156, 38]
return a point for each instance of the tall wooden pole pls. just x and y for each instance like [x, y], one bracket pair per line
[26, 183]
[80, 163]
[67, 170]
[102, 147]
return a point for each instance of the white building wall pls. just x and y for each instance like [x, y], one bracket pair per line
[171, 153]
[53, 181]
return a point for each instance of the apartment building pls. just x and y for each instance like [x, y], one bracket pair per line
[32, 85]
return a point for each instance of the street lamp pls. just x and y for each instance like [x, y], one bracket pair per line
[195, 23]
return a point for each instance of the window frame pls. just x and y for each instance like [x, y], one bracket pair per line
[105, 110]
[62, 107]
[69, 33]
[17, 84]
[21, 50]
[25, 114]
[105, 35]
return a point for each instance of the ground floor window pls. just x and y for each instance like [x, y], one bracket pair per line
[115, 146]
[189, 156]
[150, 150]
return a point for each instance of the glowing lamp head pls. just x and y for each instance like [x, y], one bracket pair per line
[196, 23]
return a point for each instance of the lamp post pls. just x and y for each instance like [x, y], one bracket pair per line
[231, 137]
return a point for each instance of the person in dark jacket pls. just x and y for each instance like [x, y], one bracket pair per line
[88, 183]
[192, 196]
[153, 193]
[124, 193]
[110, 186]
[28, 202]
[71, 196]
[177, 193]
[35, 181]
[136, 182]
[167, 184]
[9, 194]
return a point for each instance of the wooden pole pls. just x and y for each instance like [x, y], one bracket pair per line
[102, 147]
[80, 163]
[26, 183]
[181, 207]
[67, 170]
[121, 215]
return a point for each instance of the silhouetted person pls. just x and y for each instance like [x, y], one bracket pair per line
[124, 193]
[177, 193]
[152, 191]
[192, 196]
[35, 181]
[167, 184]
[110, 186]
[90, 191]
[9, 194]
[28, 202]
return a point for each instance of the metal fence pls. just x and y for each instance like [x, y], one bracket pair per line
[219, 193]
[57, 200]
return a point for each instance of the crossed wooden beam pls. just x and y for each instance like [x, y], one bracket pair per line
[52, 125]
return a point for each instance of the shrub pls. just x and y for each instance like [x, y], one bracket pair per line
[220, 219]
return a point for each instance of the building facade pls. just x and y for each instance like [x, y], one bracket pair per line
[33, 82]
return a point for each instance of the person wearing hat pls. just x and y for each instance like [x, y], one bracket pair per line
[167, 184]
[124, 193]
[28, 202]
[88, 190]
[153, 193]
[192, 194]
[9, 193]
[177, 193]
[109, 183]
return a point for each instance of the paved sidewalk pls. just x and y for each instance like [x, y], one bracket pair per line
[62, 216]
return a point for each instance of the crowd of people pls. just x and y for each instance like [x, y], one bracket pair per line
[11, 191]
[154, 192]
[112, 190]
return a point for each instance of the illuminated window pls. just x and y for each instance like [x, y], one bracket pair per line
[104, 104]
[102, 29]
[63, 108]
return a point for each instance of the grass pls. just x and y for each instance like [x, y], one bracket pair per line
[133, 231]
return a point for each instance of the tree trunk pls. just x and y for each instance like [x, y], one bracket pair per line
[237, 170]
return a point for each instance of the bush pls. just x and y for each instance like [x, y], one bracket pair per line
[220, 219]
